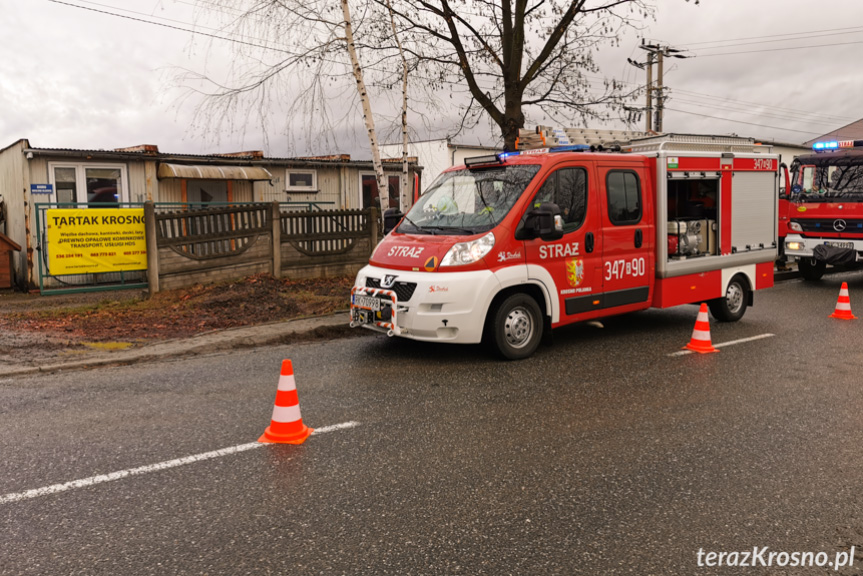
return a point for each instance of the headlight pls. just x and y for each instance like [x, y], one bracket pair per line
[794, 245]
[795, 226]
[468, 252]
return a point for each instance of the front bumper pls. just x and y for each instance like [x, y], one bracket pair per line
[801, 247]
[439, 306]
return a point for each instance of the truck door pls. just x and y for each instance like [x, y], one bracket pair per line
[570, 267]
[627, 237]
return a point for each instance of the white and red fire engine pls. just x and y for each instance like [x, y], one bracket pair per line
[512, 245]
[823, 208]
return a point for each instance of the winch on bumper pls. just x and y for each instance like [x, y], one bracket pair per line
[433, 307]
[374, 308]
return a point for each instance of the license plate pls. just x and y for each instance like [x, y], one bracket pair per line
[369, 302]
[849, 245]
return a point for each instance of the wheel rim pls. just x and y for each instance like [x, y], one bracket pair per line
[734, 297]
[518, 328]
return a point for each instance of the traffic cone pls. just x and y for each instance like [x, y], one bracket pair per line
[700, 341]
[286, 426]
[843, 305]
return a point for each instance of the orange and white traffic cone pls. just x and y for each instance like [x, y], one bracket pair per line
[843, 305]
[286, 426]
[700, 341]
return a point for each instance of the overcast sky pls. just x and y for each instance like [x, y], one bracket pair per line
[73, 78]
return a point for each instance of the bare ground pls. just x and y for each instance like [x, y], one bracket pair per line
[35, 326]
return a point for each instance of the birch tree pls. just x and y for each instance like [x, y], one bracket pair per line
[302, 51]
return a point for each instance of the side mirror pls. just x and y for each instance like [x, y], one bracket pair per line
[392, 217]
[543, 221]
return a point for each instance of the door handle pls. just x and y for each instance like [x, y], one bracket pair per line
[639, 238]
[588, 242]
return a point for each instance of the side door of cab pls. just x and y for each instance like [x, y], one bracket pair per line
[569, 267]
[628, 236]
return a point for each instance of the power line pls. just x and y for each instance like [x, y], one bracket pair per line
[778, 108]
[838, 30]
[733, 100]
[186, 30]
[751, 113]
[742, 122]
[778, 49]
[769, 41]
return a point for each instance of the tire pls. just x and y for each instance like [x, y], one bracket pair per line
[811, 269]
[732, 306]
[516, 327]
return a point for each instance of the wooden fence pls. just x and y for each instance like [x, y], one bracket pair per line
[218, 243]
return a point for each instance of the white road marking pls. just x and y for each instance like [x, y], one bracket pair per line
[93, 480]
[730, 343]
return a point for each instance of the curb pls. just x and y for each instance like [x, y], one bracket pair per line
[210, 342]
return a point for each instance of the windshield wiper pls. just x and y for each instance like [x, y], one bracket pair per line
[417, 228]
[449, 229]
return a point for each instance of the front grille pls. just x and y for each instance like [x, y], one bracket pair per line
[825, 225]
[403, 290]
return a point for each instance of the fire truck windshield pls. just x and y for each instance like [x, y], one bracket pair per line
[468, 201]
[827, 183]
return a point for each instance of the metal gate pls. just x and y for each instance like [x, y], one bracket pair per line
[91, 282]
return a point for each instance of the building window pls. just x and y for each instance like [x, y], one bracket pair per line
[91, 184]
[301, 180]
[369, 189]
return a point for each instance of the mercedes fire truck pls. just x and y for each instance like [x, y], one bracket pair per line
[823, 208]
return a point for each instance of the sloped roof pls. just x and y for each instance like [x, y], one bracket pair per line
[7, 242]
[853, 131]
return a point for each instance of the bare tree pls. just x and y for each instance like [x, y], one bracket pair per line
[405, 200]
[515, 55]
[299, 52]
[476, 59]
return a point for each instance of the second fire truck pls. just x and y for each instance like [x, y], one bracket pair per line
[823, 208]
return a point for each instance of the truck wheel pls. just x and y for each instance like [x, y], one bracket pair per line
[811, 269]
[516, 327]
[732, 306]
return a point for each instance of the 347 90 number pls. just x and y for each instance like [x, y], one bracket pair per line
[619, 269]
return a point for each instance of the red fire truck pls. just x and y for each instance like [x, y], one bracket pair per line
[512, 245]
[824, 208]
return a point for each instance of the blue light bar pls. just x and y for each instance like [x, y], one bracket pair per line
[833, 145]
[836, 144]
[571, 148]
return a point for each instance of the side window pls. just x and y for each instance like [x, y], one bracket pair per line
[624, 197]
[567, 188]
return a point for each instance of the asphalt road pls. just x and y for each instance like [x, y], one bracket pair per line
[603, 454]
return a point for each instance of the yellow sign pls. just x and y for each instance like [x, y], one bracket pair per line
[84, 241]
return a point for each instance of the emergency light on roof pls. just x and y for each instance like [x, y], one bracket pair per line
[836, 144]
[481, 160]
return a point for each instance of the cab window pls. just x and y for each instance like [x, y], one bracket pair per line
[624, 197]
[567, 188]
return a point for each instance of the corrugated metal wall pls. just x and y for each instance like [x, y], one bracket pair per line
[15, 192]
[137, 182]
[242, 191]
[330, 186]
[169, 190]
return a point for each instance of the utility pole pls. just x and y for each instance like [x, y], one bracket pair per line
[648, 128]
[660, 95]
[655, 53]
